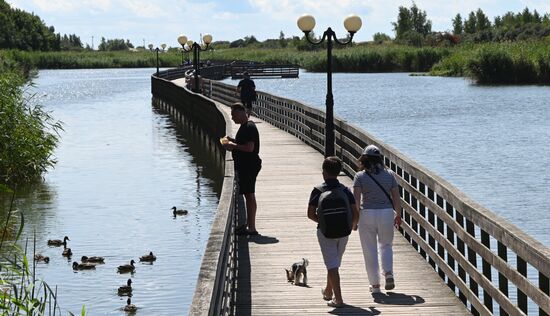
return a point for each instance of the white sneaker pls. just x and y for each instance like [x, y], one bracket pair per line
[375, 290]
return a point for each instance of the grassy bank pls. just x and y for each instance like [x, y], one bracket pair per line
[499, 63]
[371, 58]
[489, 63]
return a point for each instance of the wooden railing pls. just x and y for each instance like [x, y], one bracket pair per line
[236, 70]
[491, 265]
[214, 293]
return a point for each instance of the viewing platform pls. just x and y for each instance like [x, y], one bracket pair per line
[451, 255]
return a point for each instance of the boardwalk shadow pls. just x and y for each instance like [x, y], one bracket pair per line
[392, 298]
[354, 310]
[263, 239]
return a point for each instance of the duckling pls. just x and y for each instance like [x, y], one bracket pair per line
[175, 211]
[57, 242]
[83, 266]
[67, 252]
[127, 267]
[148, 258]
[129, 306]
[125, 289]
[39, 257]
[93, 259]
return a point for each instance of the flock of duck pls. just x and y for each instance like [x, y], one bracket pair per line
[90, 263]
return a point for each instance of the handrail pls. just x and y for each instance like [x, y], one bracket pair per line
[463, 241]
[216, 281]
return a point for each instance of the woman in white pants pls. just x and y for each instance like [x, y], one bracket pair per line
[376, 189]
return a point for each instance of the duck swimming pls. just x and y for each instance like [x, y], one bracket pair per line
[39, 257]
[129, 306]
[58, 242]
[83, 266]
[125, 289]
[148, 258]
[67, 252]
[127, 267]
[93, 259]
[175, 211]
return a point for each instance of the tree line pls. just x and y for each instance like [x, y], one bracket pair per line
[414, 28]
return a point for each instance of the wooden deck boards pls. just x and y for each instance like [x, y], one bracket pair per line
[290, 169]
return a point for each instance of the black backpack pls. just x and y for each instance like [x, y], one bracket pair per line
[334, 211]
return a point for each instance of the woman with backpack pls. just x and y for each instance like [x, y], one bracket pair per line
[375, 189]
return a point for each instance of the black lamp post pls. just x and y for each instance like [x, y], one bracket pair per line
[196, 47]
[157, 50]
[352, 23]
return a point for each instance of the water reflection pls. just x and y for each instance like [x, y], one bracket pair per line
[122, 166]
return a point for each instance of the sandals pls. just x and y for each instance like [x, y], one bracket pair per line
[390, 282]
[375, 290]
[325, 297]
[245, 232]
[332, 303]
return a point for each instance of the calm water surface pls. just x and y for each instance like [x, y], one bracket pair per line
[121, 167]
[490, 142]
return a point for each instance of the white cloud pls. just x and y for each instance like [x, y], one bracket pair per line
[144, 8]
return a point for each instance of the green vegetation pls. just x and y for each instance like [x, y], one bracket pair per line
[510, 49]
[21, 292]
[28, 135]
[499, 63]
[26, 31]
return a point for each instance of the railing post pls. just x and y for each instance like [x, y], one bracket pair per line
[522, 298]
[487, 299]
[502, 281]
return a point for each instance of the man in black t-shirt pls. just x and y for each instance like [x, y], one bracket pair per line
[247, 90]
[245, 148]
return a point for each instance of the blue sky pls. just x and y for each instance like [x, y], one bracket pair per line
[162, 21]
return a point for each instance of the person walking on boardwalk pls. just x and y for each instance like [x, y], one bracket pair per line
[333, 207]
[375, 189]
[245, 148]
[247, 90]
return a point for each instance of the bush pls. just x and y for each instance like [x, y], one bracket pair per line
[28, 134]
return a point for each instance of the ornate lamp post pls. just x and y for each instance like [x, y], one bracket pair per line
[352, 23]
[182, 39]
[196, 47]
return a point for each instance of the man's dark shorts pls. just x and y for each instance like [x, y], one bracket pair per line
[247, 180]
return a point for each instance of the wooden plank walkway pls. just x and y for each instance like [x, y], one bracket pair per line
[289, 172]
[290, 169]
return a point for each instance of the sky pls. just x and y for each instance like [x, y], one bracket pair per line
[162, 21]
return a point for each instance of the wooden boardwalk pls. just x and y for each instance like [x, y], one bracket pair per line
[290, 169]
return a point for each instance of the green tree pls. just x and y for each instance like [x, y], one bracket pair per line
[482, 21]
[381, 37]
[457, 25]
[412, 19]
[470, 23]
[404, 22]
[282, 41]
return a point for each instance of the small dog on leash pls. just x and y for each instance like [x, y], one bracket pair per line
[297, 272]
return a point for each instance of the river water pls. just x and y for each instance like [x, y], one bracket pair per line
[491, 142]
[121, 166]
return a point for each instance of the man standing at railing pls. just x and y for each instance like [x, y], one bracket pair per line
[245, 148]
[247, 90]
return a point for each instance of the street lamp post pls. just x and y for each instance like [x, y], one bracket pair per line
[196, 47]
[157, 50]
[352, 23]
[182, 39]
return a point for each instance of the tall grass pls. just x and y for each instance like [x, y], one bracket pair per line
[499, 63]
[511, 63]
[21, 293]
[28, 134]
